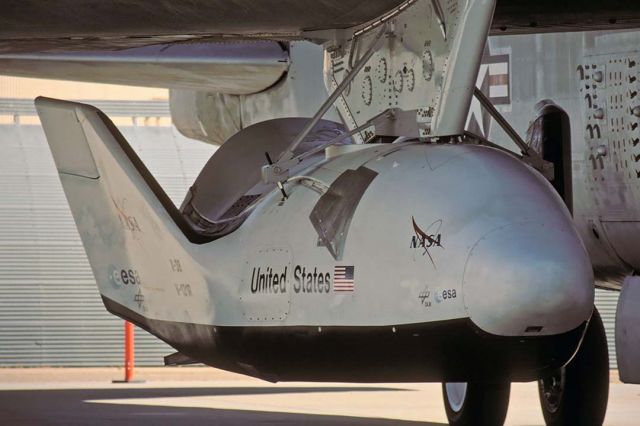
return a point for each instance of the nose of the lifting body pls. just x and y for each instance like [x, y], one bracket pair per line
[527, 279]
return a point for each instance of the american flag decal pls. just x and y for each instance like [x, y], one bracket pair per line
[343, 278]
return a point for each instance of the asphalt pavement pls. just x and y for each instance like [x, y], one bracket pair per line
[199, 396]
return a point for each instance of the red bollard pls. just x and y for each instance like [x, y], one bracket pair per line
[129, 354]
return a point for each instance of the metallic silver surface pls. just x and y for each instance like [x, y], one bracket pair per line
[598, 79]
[616, 230]
[627, 332]
[530, 156]
[278, 235]
[44, 235]
[206, 116]
[353, 72]
[456, 393]
[548, 282]
[332, 215]
[528, 277]
[234, 170]
[237, 68]
[462, 65]
[213, 117]
[431, 95]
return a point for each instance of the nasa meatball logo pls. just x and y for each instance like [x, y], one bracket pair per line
[425, 240]
[444, 295]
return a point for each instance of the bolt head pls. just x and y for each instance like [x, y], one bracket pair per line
[598, 76]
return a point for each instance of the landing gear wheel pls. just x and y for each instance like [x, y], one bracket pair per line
[477, 404]
[577, 394]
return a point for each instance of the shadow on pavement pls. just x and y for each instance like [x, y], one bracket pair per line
[69, 407]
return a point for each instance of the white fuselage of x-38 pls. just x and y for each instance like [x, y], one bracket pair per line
[416, 262]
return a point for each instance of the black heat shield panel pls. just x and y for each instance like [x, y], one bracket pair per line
[178, 358]
[436, 351]
[333, 212]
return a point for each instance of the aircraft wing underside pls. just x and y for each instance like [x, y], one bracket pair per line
[36, 25]
[237, 68]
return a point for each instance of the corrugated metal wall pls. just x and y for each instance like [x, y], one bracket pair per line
[50, 310]
[606, 302]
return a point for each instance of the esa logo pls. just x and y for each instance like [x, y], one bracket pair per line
[118, 277]
[444, 295]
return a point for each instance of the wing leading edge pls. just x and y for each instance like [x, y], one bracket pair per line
[235, 68]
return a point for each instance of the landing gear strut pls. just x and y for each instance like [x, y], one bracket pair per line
[477, 404]
[577, 394]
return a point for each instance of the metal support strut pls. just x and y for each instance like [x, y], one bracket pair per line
[278, 172]
[530, 155]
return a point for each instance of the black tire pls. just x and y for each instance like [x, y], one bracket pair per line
[483, 404]
[578, 393]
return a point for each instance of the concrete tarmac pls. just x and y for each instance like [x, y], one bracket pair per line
[205, 396]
